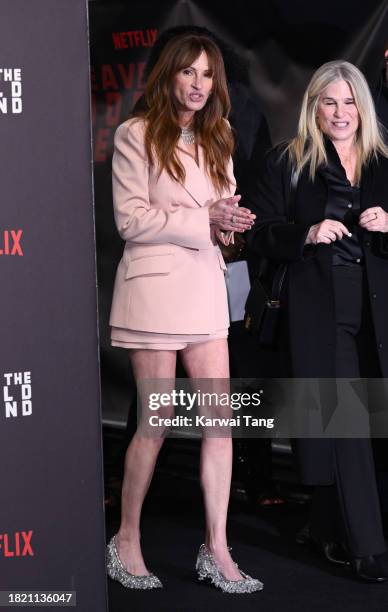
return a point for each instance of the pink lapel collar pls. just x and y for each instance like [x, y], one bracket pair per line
[197, 183]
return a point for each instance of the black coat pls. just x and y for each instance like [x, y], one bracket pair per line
[380, 96]
[309, 294]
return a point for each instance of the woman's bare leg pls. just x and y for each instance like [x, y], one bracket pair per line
[140, 462]
[210, 360]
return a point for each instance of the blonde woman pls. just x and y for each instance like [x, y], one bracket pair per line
[336, 290]
[173, 189]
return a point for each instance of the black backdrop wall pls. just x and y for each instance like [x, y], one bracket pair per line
[51, 509]
[282, 44]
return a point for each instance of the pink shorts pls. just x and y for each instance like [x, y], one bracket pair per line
[131, 339]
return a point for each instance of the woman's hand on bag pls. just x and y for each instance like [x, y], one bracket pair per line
[374, 219]
[228, 215]
[327, 231]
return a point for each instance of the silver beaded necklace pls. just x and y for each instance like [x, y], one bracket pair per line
[187, 135]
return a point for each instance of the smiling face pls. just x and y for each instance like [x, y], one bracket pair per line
[337, 114]
[191, 88]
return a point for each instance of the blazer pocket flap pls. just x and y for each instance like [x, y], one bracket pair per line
[155, 264]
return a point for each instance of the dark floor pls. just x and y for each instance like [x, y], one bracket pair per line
[263, 544]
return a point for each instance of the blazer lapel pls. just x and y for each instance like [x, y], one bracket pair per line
[197, 183]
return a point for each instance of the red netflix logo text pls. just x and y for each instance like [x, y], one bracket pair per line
[134, 38]
[16, 544]
[10, 242]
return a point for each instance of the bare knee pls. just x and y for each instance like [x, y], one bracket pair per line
[145, 444]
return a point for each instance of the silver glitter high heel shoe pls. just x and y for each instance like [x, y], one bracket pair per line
[207, 570]
[117, 571]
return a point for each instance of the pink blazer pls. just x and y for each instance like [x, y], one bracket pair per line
[171, 276]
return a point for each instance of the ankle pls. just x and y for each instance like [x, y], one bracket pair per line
[128, 537]
[216, 546]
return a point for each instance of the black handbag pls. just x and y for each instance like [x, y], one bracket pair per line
[263, 306]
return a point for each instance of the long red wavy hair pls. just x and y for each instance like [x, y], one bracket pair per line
[159, 110]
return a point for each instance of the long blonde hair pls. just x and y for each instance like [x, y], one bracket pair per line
[210, 125]
[308, 147]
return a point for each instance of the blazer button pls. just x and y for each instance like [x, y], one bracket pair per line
[367, 243]
[374, 295]
[380, 345]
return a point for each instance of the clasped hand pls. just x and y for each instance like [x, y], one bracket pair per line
[374, 219]
[227, 215]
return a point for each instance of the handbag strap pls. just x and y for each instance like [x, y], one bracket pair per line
[277, 283]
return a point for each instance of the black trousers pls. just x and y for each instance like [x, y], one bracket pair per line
[349, 510]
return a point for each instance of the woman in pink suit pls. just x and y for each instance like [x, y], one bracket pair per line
[173, 189]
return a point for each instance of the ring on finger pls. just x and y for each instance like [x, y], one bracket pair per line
[233, 219]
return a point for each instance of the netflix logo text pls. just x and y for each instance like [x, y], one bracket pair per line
[17, 544]
[10, 242]
[134, 38]
[11, 91]
[17, 394]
